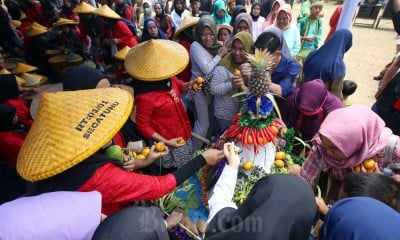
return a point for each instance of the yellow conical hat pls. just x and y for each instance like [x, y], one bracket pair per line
[64, 21]
[70, 127]
[84, 8]
[107, 12]
[23, 68]
[121, 54]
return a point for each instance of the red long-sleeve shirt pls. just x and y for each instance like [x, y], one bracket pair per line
[120, 188]
[10, 144]
[162, 112]
[120, 31]
[23, 113]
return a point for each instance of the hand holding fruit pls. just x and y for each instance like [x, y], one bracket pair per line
[231, 153]
[197, 83]
[175, 142]
[155, 154]
[213, 156]
[128, 163]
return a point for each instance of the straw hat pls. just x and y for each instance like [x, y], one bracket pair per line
[64, 21]
[46, 88]
[16, 23]
[224, 26]
[23, 68]
[84, 8]
[23, 16]
[32, 79]
[187, 22]
[35, 30]
[156, 60]
[19, 79]
[107, 12]
[121, 54]
[69, 127]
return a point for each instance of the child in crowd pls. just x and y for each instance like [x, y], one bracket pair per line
[223, 32]
[349, 87]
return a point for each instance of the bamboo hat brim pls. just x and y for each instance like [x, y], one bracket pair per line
[84, 8]
[33, 79]
[19, 79]
[188, 21]
[36, 30]
[107, 12]
[23, 68]
[121, 54]
[156, 60]
[70, 127]
[34, 107]
[16, 23]
[64, 21]
[35, 24]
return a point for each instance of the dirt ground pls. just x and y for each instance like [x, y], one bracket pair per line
[372, 49]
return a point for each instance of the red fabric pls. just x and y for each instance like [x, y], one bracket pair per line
[186, 74]
[159, 112]
[120, 188]
[128, 13]
[23, 113]
[333, 22]
[168, 32]
[34, 14]
[119, 140]
[74, 16]
[84, 33]
[120, 31]
[10, 144]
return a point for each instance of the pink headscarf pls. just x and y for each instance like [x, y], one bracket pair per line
[288, 10]
[356, 131]
[270, 19]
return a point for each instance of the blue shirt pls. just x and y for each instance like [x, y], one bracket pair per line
[285, 74]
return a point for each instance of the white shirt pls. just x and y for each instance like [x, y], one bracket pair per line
[176, 19]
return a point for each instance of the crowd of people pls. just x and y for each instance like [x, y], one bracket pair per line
[161, 75]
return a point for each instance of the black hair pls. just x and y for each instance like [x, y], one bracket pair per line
[269, 41]
[235, 12]
[255, 18]
[374, 185]
[349, 87]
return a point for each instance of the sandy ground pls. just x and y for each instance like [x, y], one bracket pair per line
[372, 49]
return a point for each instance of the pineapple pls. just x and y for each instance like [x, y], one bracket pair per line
[260, 80]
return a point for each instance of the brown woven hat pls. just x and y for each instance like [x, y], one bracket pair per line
[188, 21]
[84, 8]
[107, 12]
[64, 21]
[19, 79]
[23, 68]
[224, 26]
[69, 127]
[121, 54]
[156, 60]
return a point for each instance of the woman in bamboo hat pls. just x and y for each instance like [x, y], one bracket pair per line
[69, 35]
[160, 113]
[87, 23]
[36, 42]
[64, 150]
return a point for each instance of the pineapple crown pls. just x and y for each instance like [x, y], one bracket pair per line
[261, 59]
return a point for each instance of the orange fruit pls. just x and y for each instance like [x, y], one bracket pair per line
[279, 163]
[181, 141]
[199, 80]
[250, 139]
[195, 86]
[237, 73]
[140, 156]
[160, 147]
[357, 168]
[369, 164]
[280, 155]
[145, 151]
[248, 165]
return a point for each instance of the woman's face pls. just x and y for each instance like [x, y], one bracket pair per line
[242, 27]
[223, 35]
[238, 52]
[256, 10]
[207, 37]
[331, 150]
[152, 29]
[221, 13]
[157, 9]
[179, 5]
[282, 20]
[275, 8]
